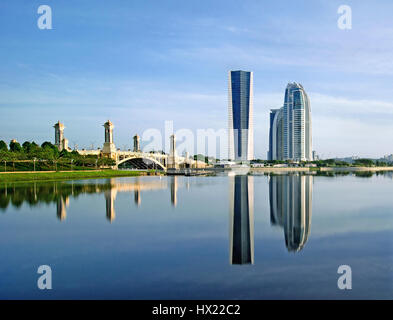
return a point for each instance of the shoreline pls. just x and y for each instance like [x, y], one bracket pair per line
[355, 169]
[31, 176]
[28, 176]
[322, 169]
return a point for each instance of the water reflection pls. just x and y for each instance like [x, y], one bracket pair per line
[60, 193]
[61, 208]
[290, 200]
[174, 187]
[110, 197]
[137, 197]
[241, 209]
[149, 238]
[291, 206]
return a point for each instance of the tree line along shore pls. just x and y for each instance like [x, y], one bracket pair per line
[33, 162]
[31, 157]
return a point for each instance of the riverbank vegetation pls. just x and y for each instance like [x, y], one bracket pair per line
[31, 157]
[327, 163]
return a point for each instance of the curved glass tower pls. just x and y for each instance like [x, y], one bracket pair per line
[290, 127]
[276, 135]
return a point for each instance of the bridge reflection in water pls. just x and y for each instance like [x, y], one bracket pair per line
[60, 193]
[290, 198]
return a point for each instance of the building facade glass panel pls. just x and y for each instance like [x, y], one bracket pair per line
[291, 139]
[240, 116]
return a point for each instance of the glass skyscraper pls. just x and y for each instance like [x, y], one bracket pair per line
[290, 136]
[240, 119]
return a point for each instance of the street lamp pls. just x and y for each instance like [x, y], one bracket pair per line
[34, 160]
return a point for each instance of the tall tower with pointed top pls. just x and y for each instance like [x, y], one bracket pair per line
[59, 133]
[290, 135]
[109, 149]
[172, 153]
[297, 124]
[137, 146]
[60, 142]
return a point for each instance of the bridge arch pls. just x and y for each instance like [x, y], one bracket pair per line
[140, 163]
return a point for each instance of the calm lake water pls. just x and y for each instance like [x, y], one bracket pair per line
[223, 237]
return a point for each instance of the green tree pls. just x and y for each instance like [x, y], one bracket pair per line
[200, 157]
[330, 162]
[35, 151]
[106, 162]
[26, 146]
[75, 154]
[48, 144]
[15, 146]
[3, 146]
[64, 154]
[50, 151]
[364, 162]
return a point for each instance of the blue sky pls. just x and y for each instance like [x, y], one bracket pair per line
[140, 63]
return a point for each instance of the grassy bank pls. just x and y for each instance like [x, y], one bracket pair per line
[64, 175]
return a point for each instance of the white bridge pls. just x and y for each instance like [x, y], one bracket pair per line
[135, 159]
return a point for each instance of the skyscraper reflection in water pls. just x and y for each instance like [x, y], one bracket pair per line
[241, 207]
[291, 206]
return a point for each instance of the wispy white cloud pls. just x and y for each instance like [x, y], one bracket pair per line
[341, 126]
[332, 59]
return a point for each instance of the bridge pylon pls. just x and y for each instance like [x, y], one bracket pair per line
[109, 149]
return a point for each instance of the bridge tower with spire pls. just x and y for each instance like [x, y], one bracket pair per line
[60, 142]
[137, 143]
[109, 149]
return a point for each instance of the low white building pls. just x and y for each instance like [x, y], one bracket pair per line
[258, 165]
